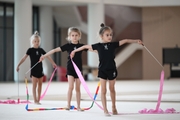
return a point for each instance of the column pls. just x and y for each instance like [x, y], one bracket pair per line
[22, 34]
[95, 18]
[46, 33]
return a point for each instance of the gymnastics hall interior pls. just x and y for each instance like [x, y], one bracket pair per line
[145, 89]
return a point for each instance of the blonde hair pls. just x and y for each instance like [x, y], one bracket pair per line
[73, 29]
[35, 35]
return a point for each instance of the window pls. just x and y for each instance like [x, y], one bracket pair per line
[35, 19]
[6, 41]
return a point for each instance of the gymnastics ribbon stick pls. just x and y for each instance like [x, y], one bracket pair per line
[152, 55]
[18, 88]
[27, 93]
[42, 96]
[32, 67]
[158, 110]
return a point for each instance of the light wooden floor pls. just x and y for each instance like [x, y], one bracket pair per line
[132, 96]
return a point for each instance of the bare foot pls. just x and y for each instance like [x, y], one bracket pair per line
[114, 111]
[80, 109]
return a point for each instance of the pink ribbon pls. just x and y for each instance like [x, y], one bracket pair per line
[160, 90]
[158, 110]
[13, 102]
[42, 96]
[144, 111]
[84, 84]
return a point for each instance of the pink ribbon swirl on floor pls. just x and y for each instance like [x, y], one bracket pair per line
[158, 110]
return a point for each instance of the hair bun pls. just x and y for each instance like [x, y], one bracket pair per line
[36, 33]
[102, 25]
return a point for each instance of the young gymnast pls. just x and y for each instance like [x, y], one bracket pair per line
[74, 36]
[107, 67]
[37, 74]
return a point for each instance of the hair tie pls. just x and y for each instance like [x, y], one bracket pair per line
[102, 25]
[36, 33]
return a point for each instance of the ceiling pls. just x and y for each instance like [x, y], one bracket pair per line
[137, 3]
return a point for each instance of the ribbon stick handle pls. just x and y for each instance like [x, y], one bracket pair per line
[32, 68]
[152, 56]
[18, 88]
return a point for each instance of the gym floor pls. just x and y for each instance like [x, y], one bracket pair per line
[132, 96]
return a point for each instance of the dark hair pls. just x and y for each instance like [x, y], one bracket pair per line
[104, 28]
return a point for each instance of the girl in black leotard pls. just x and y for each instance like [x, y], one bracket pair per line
[36, 74]
[107, 66]
[74, 36]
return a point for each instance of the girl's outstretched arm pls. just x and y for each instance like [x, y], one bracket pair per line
[89, 47]
[52, 62]
[21, 61]
[58, 49]
[121, 42]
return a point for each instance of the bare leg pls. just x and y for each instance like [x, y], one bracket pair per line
[39, 88]
[34, 81]
[113, 95]
[103, 95]
[70, 90]
[78, 94]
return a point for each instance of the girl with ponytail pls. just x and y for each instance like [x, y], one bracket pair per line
[107, 71]
[35, 52]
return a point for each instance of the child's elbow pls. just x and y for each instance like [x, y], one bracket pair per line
[54, 50]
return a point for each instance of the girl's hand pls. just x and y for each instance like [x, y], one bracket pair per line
[72, 54]
[17, 69]
[54, 65]
[140, 42]
[41, 58]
